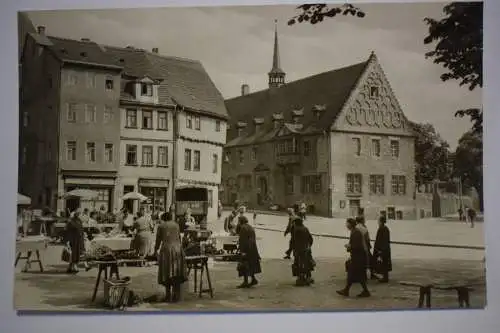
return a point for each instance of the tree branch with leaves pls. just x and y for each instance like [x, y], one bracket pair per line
[316, 13]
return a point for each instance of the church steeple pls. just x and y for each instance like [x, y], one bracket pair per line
[276, 75]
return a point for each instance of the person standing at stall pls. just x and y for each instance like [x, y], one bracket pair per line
[382, 250]
[357, 263]
[303, 263]
[249, 264]
[172, 269]
[74, 238]
[142, 240]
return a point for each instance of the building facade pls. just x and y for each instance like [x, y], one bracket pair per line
[338, 141]
[115, 120]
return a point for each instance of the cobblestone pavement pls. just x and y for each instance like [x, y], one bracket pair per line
[53, 290]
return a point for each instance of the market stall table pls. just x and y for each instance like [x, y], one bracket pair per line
[27, 245]
[199, 265]
[114, 243]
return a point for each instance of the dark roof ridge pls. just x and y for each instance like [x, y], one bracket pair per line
[301, 79]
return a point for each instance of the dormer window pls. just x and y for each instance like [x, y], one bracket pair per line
[109, 83]
[146, 89]
[374, 92]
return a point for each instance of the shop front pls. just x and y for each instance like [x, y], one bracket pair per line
[157, 192]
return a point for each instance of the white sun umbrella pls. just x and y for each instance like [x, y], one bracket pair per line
[23, 200]
[82, 193]
[135, 196]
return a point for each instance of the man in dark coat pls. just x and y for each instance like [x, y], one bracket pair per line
[357, 264]
[361, 225]
[303, 263]
[382, 250]
[249, 264]
[289, 230]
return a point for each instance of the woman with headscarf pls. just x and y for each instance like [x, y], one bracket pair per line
[249, 264]
[382, 250]
[142, 235]
[357, 264]
[289, 230]
[172, 270]
[74, 238]
[303, 263]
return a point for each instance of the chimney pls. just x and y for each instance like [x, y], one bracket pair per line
[41, 30]
[155, 50]
[240, 126]
[277, 119]
[257, 122]
[85, 40]
[245, 89]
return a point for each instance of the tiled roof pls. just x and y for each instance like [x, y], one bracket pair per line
[24, 26]
[182, 81]
[329, 90]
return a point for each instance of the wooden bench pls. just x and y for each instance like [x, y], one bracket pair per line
[109, 268]
[199, 265]
[425, 292]
[29, 246]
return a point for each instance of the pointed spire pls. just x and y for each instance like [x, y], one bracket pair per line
[276, 75]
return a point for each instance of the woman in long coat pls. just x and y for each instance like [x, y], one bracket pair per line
[74, 238]
[382, 250]
[249, 264]
[303, 263]
[172, 270]
[357, 264]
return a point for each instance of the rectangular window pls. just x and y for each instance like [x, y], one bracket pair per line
[189, 121]
[109, 83]
[377, 184]
[162, 121]
[90, 113]
[71, 112]
[241, 156]
[197, 123]
[108, 114]
[90, 152]
[254, 153]
[356, 142]
[398, 185]
[395, 148]
[131, 118]
[317, 184]
[146, 89]
[25, 119]
[147, 119]
[72, 79]
[197, 160]
[187, 159]
[376, 147]
[227, 157]
[354, 182]
[215, 161]
[162, 156]
[71, 150]
[217, 125]
[24, 157]
[374, 91]
[91, 80]
[306, 184]
[147, 155]
[108, 152]
[307, 148]
[131, 155]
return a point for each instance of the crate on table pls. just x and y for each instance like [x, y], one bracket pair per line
[116, 292]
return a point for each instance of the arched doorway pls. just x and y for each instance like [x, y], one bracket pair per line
[263, 191]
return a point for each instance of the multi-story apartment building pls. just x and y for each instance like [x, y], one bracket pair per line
[70, 123]
[125, 121]
[338, 141]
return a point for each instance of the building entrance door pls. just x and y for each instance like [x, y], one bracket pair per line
[354, 205]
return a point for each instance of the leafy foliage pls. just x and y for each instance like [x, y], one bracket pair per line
[468, 162]
[476, 116]
[458, 40]
[316, 13]
[431, 154]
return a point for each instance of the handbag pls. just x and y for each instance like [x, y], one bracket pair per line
[347, 264]
[66, 254]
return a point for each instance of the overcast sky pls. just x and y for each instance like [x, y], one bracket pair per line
[235, 46]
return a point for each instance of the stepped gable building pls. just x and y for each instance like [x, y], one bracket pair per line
[338, 141]
[115, 120]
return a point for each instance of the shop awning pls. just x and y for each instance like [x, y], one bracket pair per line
[23, 200]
